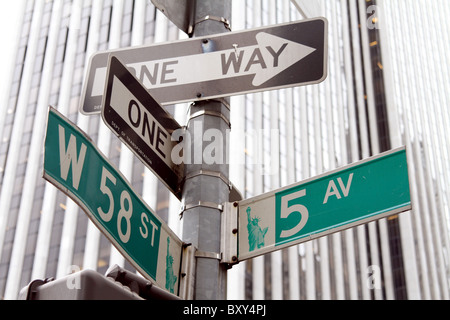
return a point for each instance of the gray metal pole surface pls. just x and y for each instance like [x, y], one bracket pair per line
[205, 188]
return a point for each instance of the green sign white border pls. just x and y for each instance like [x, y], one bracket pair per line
[165, 230]
[270, 197]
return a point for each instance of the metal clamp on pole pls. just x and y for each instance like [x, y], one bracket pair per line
[223, 101]
[208, 255]
[210, 113]
[205, 204]
[215, 18]
[210, 173]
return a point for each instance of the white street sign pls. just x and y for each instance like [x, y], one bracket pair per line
[141, 123]
[275, 57]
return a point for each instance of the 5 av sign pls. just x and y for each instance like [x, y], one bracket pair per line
[356, 194]
[279, 56]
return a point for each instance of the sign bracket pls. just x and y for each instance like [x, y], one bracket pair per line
[229, 233]
[187, 272]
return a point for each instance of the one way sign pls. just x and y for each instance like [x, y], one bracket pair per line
[275, 57]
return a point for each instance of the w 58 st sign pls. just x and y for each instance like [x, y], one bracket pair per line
[75, 165]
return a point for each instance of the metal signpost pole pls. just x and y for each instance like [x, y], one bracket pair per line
[206, 188]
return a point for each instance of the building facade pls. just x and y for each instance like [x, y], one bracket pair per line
[386, 88]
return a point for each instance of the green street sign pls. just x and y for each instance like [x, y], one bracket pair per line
[75, 165]
[349, 196]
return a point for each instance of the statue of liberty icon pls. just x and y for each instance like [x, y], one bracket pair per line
[255, 233]
[171, 279]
